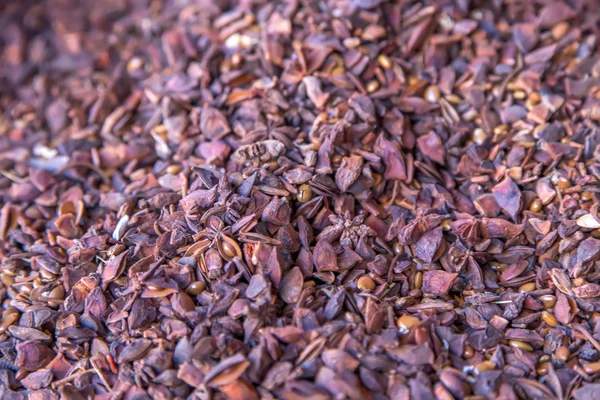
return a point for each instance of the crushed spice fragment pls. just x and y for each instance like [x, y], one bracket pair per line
[299, 200]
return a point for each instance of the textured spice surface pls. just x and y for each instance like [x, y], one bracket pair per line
[299, 199]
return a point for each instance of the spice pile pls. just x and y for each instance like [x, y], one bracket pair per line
[354, 199]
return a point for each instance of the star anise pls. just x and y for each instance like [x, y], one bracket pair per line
[347, 229]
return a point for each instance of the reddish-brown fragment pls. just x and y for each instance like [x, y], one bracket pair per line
[438, 282]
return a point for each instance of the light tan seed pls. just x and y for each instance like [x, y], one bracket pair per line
[479, 136]
[527, 287]
[432, 94]
[483, 366]
[520, 345]
[366, 283]
[372, 86]
[560, 30]
[384, 61]
[549, 319]
[406, 323]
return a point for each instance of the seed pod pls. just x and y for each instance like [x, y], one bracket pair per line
[264, 151]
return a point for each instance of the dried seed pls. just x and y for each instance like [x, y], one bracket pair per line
[384, 61]
[549, 319]
[536, 205]
[195, 288]
[479, 136]
[562, 354]
[366, 283]
[521, 345]
[305, 193]
[406, 323]
[432, 94]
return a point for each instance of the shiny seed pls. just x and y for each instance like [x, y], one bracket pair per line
[336, 159]
[479, 136]
[454, 99]
[500, 129]
[535, 97]
[544, 358]
[305, 193]
[398, 248]
[406, 323]
[596, 233]
[26, 289]
[416, 293]
[432, 94]
[562, 354]
[228, 249]
[37, 283]
[519, 95]
[548, 300]
[498, 266]
[195, 288]
[563, 183]
[135, 64]
[48, 276]
[586, 196]
[543, 368]
[527, 287]
[419, 280]
[366, 283]
[445, 224]
[536, 205]
[173, 169]
[483, 366]
[469, 351]
[520, 345]
[57, 293]
[549, 319]
[236, 59]
[384, 61]
[372, 86]
[560, 30]
[592, 368]
[6, 279]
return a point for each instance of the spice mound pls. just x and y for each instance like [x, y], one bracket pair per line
[342, 199]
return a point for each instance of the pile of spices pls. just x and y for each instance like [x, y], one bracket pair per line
[338, 199]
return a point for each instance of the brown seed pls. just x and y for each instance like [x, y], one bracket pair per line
[562, 354]
[543, 368]
[498, 266]
[527, 287]
[445, 224]
[236, 59]
[366, 283]
[372, 86]
[305, 193]
[195, 288]
[548, 300]
[432, 94]
[479, 136]
[560, 30]
[549, 319]
[592, 368]
[384, 61]
[519, 95]
[398, 248]
[521, 345]
[6, 279]
[419, 280]
[336, 159]
[173, 169]
[468, 351]
[483, 366]
[586, 196]
[406, 323]
[536, 205]
[535, 98]
[500, 129]
[563, 183]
